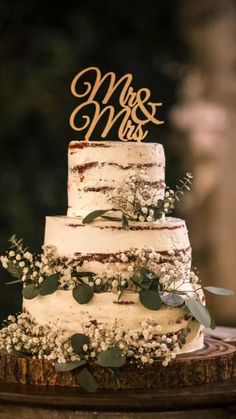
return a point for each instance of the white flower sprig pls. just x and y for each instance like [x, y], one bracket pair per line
[28, 268]
[141, 346]
[142, 202]
[139, 199]
[136, 197]
[172, 196]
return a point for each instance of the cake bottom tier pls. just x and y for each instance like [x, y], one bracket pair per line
[215, 362]
[125, 322]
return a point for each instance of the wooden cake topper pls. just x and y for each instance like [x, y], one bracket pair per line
[135, 108]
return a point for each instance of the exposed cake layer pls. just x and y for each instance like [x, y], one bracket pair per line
[99, 243]
[61, 310]
[97, 168]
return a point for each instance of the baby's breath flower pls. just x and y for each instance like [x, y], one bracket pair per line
[130, 199]
[123, 257]
[28, 256]
[98, 281]
[22, 264]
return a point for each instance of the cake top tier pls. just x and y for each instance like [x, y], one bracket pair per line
[97, 168]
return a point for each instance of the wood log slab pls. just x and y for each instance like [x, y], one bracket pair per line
[215, 362]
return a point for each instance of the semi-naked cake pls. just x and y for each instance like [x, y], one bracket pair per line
[108, 250]
[114, 284]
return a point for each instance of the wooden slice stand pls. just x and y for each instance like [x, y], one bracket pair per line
[215, 362]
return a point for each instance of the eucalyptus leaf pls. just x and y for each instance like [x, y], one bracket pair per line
[159, 209]
[112, 357]
[30, 291]
[83, 293]
[99, 288]
[117, 377]
[125, 222]
[93, 215]
[199, 312]
[219, 291]
[150, 280]
[155, 286]
[138, 277]
[49, 285]
[172, 299]
[78, 340]
[150, 299]
[14, 269]
[87, 381]
[68, 366]
[143, 277]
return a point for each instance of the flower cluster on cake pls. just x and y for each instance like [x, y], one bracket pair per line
[114, 283]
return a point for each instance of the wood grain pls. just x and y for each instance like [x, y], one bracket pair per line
[215, 362]
[44, 401]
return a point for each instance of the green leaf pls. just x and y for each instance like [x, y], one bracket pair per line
[149, 280]
[93, 215]
[125, 222]
[137, 277]
[99, 288]
[143, 278]
[117, 377]
[159, 209]
[68, 366]
[49, 285]
[112, 357]
[150, 299]
[172, 299]
[14, 269]
[219, 291]
[30, 291]
[17, 281]
[87, 381]
[199, 312]
[83, 293]
[78, 340]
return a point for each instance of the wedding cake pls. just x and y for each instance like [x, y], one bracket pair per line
[113, 288]
[111, 252]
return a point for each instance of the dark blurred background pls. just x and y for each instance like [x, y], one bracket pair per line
[44, 45]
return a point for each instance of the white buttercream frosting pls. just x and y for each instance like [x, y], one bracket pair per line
[70, 235]
[72, 239]
[61, 310]
[95, 168]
